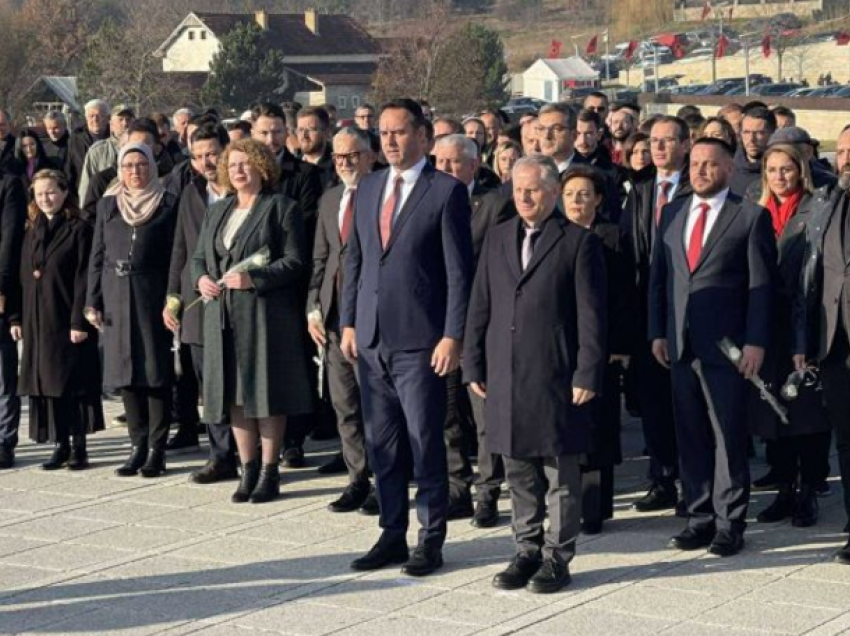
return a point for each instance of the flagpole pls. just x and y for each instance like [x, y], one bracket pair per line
[607, 59]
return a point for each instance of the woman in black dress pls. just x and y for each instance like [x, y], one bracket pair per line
[60, 369]
[128, 281]
[255, 367]
[582, 198]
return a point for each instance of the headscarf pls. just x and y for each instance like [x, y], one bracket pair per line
[137, 206]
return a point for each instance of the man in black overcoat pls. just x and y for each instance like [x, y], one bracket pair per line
[539, 359]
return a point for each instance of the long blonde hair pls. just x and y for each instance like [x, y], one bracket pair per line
[70, 208]
[797, 158]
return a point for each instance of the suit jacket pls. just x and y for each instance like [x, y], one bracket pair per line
[730, 292]
[489, 208]
[418, 288]
[302, 183]
[530, 345]
[328, 253]
[13, 214]
[8, 160]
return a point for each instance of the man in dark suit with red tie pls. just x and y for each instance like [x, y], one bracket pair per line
[712, 278]
[407, 278]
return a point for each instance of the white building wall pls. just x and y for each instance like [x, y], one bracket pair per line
[191, 52]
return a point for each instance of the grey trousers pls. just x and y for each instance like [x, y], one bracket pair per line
[345, 398]
[537, 484]
[491, 470]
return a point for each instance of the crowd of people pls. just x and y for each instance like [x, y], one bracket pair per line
[442, 293]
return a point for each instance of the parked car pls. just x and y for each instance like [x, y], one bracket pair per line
[843, 92]
[785, 22]
[517, 106]
[775, 90]
[802, 92]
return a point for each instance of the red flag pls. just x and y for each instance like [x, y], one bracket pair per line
[591, 46]
[722, 45]
[842, 38]
[555, 49]
[678, 50]
[706, 10]
[765, 46]
[630, 50]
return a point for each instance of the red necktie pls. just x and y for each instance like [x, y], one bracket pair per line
[388, 211]
[663, 199]
[695, 244]
[347, 217]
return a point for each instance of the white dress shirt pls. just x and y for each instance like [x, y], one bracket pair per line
[213, 196]
[673, 179]
[410, 176]
[716, 203]
[564, 165]
[343, 203]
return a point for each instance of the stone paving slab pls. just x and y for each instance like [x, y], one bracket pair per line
[90, 553]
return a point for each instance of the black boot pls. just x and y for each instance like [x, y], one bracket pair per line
[79, 457]
[806, 508]
[781, 508]
[268, 486]
[155, 465]
[59, 458]
[134, 462]
[248, 482]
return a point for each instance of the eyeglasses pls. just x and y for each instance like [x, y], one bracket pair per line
[557, 129]
[238, 167]
[308, 131]
[351, 157]
[135, 167]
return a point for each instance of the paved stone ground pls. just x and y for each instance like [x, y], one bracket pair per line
[89, 553]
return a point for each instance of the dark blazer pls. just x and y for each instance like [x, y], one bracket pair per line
[730, 293]
[532, 346]
[98, 186]
[746, 174]
[136, 344]
[326, 168]
[328, 253]
[8, 160]
[190, 215]
[622, 292]
[13, 214]
[58, 150]
[302, 183]
[489, 208]
[268, 320]
[418, 288]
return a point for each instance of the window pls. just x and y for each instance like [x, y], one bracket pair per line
[203, 35]
[191, 35]
[342, 101]
[355, 102]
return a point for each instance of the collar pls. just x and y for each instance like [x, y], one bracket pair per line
[471, 187]
[411, 174]
[673, 178]
[716, 202]
[563, 165]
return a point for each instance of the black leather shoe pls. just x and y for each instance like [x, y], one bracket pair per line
[659, 497]
[727, 543]
[371, 507]
[681, 509]
[768, 481]
[351, 498]
[184, 440]
[460, 507]
[268, 485]
[423, 561]
[214, 472]
[517, 574]
[843, 555]
[248, 481]
[693, 538]
[293, 457]
[781, 508]
[385, 552]
[591, 527]
[61, 455]
[334, 467]
[7, 457]
[551, 577]
[134, 462]
[486, 514]
[806, 508]
[79, 458]
[823, 489]
[155, 465]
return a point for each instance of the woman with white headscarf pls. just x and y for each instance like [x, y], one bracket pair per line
[128, 279]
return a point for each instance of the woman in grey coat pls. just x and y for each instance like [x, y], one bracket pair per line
[255, 369]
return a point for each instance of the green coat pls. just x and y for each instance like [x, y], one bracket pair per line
[268, 321]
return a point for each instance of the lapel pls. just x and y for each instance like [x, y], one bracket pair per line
[731, 208]
[216, 217]
[423, 183]
[833, 250]
[256, 218]
[509, 245]
[62, 234]
[332, 201]
[676, 228]
[553, 230]
[475, 202]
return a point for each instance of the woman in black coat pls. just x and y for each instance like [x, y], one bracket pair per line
[255, 367]
[799, 450]
[582, 197]
[128, 281]
[60, 368]
[31, 158]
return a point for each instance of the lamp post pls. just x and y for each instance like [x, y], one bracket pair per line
[718, 12]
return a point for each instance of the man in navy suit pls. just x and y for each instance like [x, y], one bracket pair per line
[408, 275]
[711, 277]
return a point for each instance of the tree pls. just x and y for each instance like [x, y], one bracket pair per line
[16, 52]
[245, 70]
[62, 28]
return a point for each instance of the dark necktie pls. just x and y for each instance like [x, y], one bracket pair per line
[663, 199]
[388, 211]
[531, 234]
[347, 217]
[695, 244]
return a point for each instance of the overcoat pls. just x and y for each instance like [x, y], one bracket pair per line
[533, 335]
[54, 282]
[136, 344]
[267, 320]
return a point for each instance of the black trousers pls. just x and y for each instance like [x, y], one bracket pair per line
[835, 375]
[656, 405]
[147, 416]
[345, 398]
[186, 392]
[711, 429]
[222, 444]
[597, 494]
[491, 467]
[10, 403]
[806, 456]
[458, 431]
